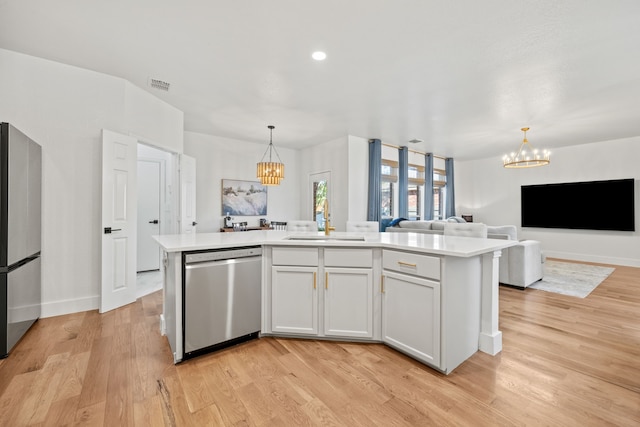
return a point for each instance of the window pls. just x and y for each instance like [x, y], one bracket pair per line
[415, 205]
[439, 181]
[319, 197]
[415, 189]
[389, 178]
[387, 199]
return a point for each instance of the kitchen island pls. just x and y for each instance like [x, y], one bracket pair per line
[432, 297]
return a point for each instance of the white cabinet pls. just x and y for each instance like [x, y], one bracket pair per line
[348, 302]
[322, 292]
[411, 305]
[411, 316]
[294, 291]
[348, 292]
[294, 300]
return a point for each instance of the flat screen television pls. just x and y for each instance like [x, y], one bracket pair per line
[593, 205]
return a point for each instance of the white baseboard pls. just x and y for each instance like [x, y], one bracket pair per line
[76, 305]
[571, 256]
[68, 306]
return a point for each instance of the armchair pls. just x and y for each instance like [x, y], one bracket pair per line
[522, 264]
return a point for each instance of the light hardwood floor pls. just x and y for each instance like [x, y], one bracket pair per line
[566, 361]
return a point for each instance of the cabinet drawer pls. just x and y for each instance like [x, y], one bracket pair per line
[295, 256]
[411, 263]
[348, 257]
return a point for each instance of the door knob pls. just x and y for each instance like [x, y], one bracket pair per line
[153, 221]
[194, 223]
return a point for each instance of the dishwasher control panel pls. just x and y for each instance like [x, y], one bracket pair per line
[222, 254]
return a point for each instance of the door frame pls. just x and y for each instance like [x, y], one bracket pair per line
[171, 224]
[315, 177]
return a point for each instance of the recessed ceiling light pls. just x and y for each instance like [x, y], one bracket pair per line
[319, 55]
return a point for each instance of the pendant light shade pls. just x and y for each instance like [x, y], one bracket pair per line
[527, 156]
[270, 172]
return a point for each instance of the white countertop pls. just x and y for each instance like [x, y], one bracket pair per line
[418, 242]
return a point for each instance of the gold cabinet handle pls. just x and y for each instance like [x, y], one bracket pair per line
[406, 264]
[314, 280]
[326, 280]
[382, 284]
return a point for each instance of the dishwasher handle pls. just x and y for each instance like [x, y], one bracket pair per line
[231, 253]
[203, 264]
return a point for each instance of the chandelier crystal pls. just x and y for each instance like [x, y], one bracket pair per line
[527, 156]
[270, 172]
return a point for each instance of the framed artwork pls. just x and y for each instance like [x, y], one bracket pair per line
[243, 198]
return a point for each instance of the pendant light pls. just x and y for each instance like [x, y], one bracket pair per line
[270, 172]
[527, 156]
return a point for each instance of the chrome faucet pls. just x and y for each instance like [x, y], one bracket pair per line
[325, 214]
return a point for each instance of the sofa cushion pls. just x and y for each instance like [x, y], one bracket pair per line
[456, 219]
[438, 225]
[421, 225]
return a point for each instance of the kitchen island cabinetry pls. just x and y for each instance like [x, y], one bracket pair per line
[380, 287]
[319, 292]
[348, 293]
[411, 304]
[294, 300]
[411, 316]
[294, 291]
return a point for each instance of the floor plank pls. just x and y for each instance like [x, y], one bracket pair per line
[566, 361]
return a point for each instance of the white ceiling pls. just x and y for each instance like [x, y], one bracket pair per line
[463, 76]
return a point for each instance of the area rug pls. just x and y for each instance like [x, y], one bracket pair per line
[570, 278]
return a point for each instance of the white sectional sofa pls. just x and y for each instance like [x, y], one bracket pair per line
[520, 265]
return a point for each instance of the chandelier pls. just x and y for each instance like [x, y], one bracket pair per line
[270, 173]
[527, 156]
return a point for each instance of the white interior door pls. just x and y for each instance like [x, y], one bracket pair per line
[119, 206]
[149, 179]
[187, 194]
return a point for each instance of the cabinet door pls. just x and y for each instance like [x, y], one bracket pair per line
[411, 316]
[348, 302]
[294, 300]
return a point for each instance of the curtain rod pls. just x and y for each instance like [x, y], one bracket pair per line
[414, 151]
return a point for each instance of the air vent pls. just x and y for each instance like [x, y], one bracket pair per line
[159, 84]
[415, 141]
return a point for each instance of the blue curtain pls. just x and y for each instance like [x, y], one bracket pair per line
[428, 186]
[374, 205]
[403, 182]
[450, 205]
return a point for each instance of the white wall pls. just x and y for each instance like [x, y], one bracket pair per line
[64, 109]
[332, 156]
[151, 120]
[492, 194]
[358, 178]
[223, 158]
[220, 158]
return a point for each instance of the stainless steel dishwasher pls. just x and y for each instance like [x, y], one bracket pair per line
[222, 294]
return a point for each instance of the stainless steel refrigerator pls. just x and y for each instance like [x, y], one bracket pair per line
[20, 235]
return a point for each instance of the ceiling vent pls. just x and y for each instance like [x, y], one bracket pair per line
[159, 84]
[415, 141]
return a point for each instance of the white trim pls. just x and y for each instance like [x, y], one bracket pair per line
[572, 256]
[69, 306]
